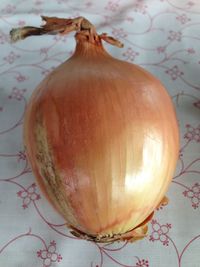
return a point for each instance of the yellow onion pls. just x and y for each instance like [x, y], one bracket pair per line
[102, 138]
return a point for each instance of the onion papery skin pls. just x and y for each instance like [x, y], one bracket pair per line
[102, 138]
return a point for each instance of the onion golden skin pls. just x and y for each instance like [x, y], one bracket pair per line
[102, 138]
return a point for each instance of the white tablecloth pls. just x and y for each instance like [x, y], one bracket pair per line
[163, 36]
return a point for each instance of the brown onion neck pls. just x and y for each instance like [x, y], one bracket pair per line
[85, 30]
[86, 47]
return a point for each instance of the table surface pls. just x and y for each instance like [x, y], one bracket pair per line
[162, 36]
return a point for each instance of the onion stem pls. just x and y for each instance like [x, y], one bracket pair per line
[54, 25]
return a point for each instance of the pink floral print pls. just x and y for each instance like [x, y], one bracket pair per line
[3, 38]
[130, 54]
[28, 195]
[194, 195]
[193, 133]
[140, 6]
[119, 33]
[17, 94]
[112, 6]
[183, 18]
[197, 104]
[160, 232]
[142, 263]
[174, 72]
[11, 57]
[9, 9]
[161, 49]
[20, 78]
[175, 36]
[49, 255]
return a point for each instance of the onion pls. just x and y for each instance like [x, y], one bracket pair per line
[101, 135]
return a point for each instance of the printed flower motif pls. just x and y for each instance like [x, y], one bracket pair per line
[49, 255]
[44, 50]
[190, 3]
[9, 9]
[192, 133]
[21, 23]
[112, 6]
[174, 72]
[20, 78]
[191, 51]
[62, 38]
[88, 4]
[130, 19]
[175, 36]
[17, 94]
[197, 104]
[142, 263]
[28, 195]
[11, 57]
[183, 18]
[130, 54]
[194, 195]
[161, 49]
[119, 33]
[140, 6]
[160, 232]
[3, 38]
[38, 2]
[21, 155]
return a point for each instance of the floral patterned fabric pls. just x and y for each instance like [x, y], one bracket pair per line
[162, 36]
